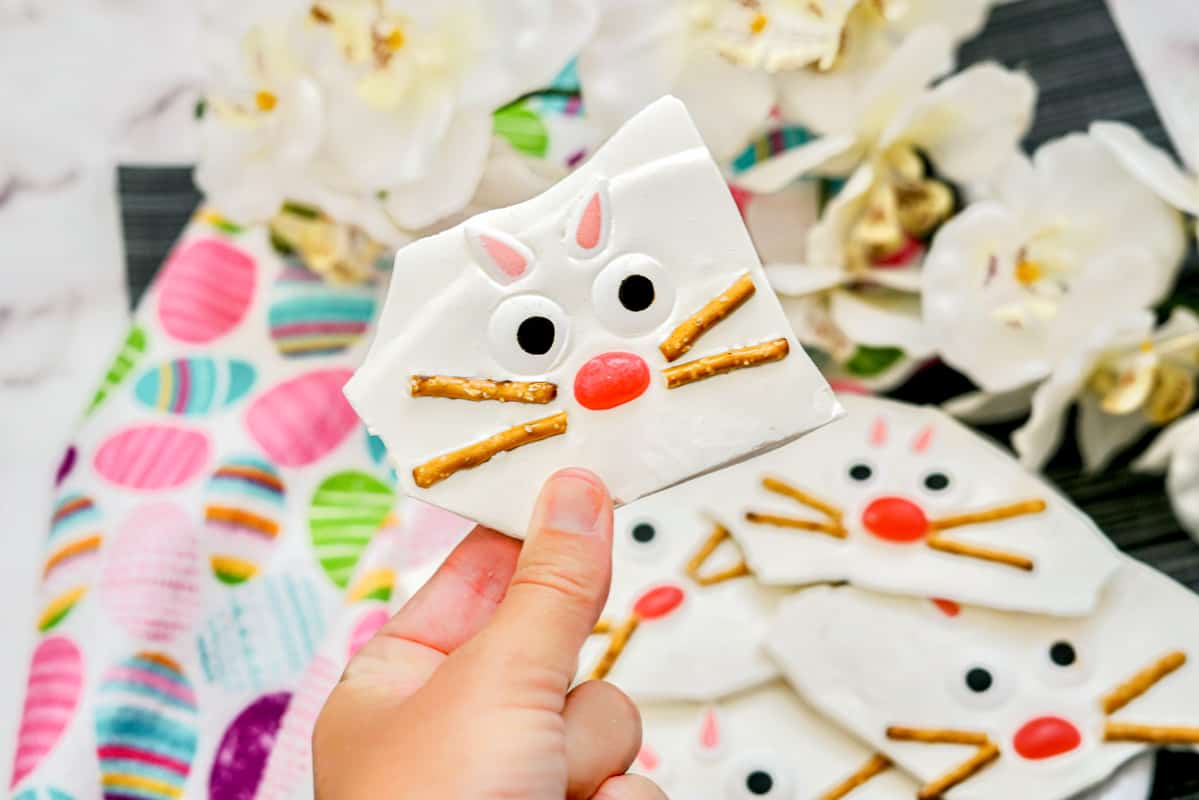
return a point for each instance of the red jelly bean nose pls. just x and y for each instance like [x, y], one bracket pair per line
[1046, 737]
[658, 602]
[895, 519]
[610, 380]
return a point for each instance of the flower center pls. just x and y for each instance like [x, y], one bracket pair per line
[1029, 272]
[772, 35]
[265, 101]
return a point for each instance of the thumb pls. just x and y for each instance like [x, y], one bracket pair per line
[561, 580]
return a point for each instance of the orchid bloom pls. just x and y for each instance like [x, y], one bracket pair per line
[1150, 165]
[1125, 377]
[1176, 453]
[1070, 241]
[732, 61]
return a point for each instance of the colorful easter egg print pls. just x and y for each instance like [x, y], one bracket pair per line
[374, 578]
[194, 386]
[42, 793]
[126, 359]
[347, 510]
[150, 584]
[302, 419]
[366, 627]
[66, 466]
[205, 290]
[264, 635]
[152, 456]
[218, 221]
[290, 761]
[242, 754]
[770, 144]
[145, 728]
[51, 697]
[378, 454]
[73, 554]
[243, 506]
[309, 316]
[429, 534]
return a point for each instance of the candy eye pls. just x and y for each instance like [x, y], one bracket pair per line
[937, 481]
[979, 680]
[859, 472]
[643, 533]
[1062, 654]
[759, 775]
[644, 540]
[978, 684]
[528, 333]
[1065, 664]
[633, 295]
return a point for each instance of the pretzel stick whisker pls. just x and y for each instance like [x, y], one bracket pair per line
[616, 645]
[987, 753]
[693, 567]
[438, 469]
[780, 521]
[1142, 682]
[478, 389]
[755, 355]
[877, 765]
[1034, 506]
[779, 486]
[1150, 734]
[978, 551]
[602, 626]
[715, 311]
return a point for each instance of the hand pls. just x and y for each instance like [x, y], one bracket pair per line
[465, 693]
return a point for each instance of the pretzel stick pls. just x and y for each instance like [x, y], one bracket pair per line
[616, 645]
[877, 765]
[476, 389]
[980, 552]
[706, 549]
[835, 531]
[710, 366]
[1150, 734]
[442, 467]
[602, 626]
[1142, 682]
[779, 486]
[685, 335]
[1035, 506]
[987, 752]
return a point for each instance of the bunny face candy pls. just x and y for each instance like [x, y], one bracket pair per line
[620, 322]
[905, 499]
[986, 704]
[764, 744]
[684, 619]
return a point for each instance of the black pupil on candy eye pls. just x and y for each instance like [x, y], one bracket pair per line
[860, 472]
[759, 782]
[535, 336]
[979, 680]
[636, 293]
[1062, 654]
[936, 481]
[644, 533]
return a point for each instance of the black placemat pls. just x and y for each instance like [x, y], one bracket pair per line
[1075, 54]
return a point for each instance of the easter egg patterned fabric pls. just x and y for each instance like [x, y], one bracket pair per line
[207, 562]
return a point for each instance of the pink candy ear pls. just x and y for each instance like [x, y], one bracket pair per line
[709, 732]
[878, 432]
[587, 232]
[503, 257]
[923, 439]
[647, 759]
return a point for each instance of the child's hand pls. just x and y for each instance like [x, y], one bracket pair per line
[465, 693]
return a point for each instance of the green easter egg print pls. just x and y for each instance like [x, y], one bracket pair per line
[347, 509]
[523, 129]
[126, 359]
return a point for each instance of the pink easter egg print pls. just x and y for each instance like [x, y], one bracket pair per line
[151, 580]
[290, 761]
[51, 697]
[365, 628]
[431, 533]
[205, 290]
[153, 456]
[300, 420]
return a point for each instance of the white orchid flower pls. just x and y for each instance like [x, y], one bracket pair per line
[1070, 242]
[1176, 453]
[1126, 379]
[1150, 165]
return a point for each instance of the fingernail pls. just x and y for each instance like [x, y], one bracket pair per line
[575, 504]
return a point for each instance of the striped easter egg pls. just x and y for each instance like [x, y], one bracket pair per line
[242, 754]
[51, 697]
[243, 510]
[263, 635]
[374, 576]
[770, 144]
[42, 793]
[290, 763]
[300, 420]
[73, 556]
[347, 509]
[152, 456]
[309, 316]
[146, 735]
[150, 584]
[205, 289]
[132, 350]
[367, 625]
[194, 386]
